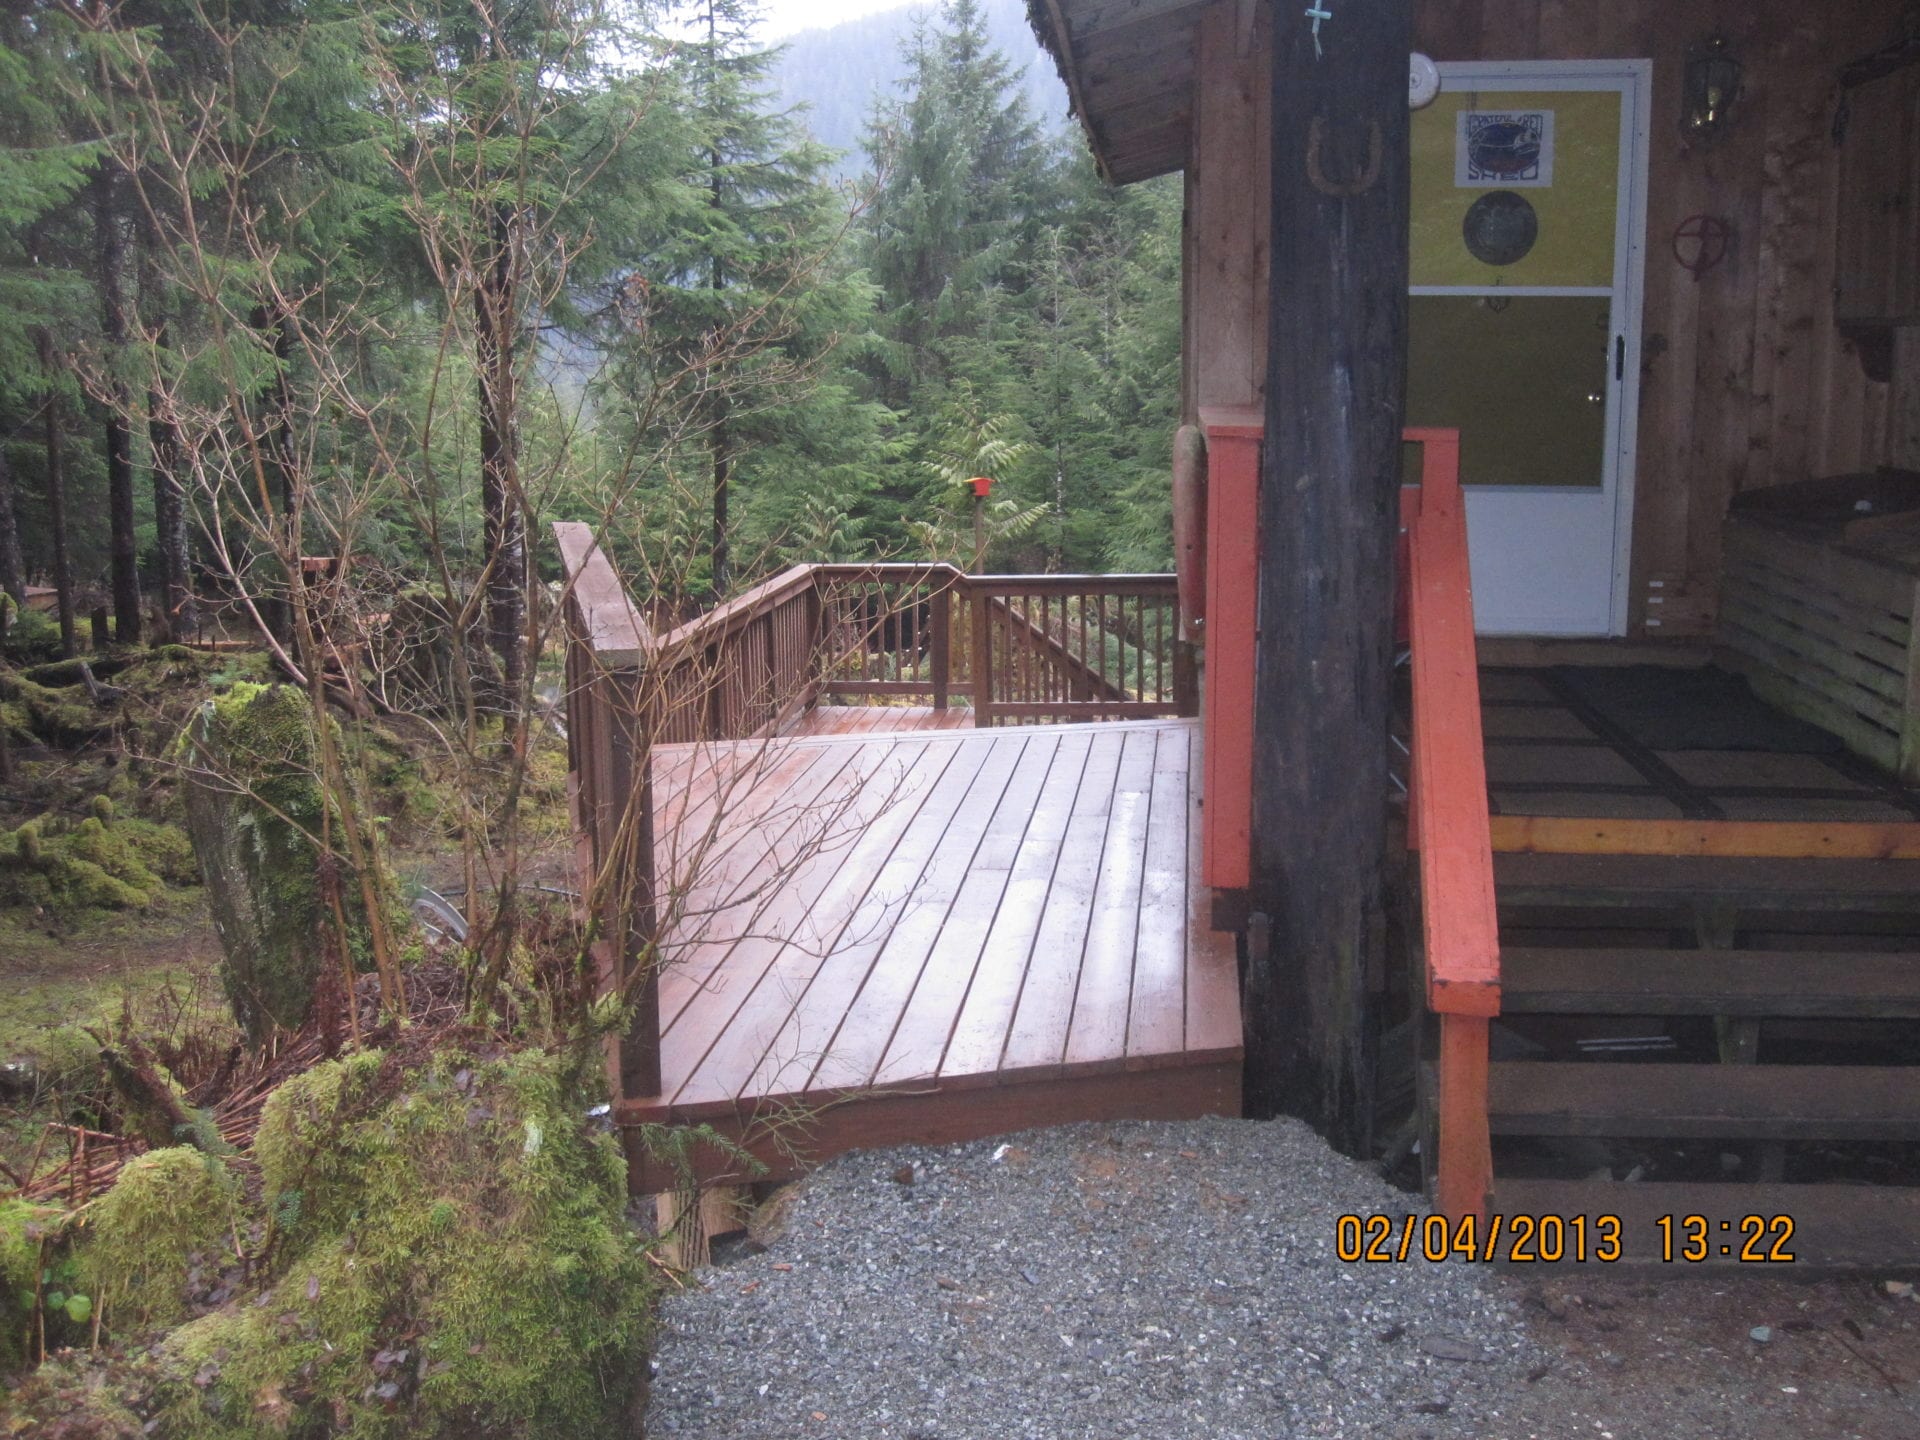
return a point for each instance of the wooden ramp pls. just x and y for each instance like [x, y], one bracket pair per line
[893, 930]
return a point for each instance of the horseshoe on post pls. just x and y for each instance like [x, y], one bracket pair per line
[1316, 138]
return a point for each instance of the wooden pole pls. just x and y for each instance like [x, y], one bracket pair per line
[1329, 492]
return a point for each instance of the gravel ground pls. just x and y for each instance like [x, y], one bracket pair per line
[1096, 1280]
[1180, 1281]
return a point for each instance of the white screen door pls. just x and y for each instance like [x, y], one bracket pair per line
[1528, 222]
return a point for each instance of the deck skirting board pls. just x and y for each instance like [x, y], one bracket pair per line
[788, 1141]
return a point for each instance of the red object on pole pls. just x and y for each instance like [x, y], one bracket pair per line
[982, 486]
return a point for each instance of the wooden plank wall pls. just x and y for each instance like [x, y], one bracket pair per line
[1746, 382]
[1229, 189]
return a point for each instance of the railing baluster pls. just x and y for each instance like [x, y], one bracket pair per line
[1139, 629]
[982, 659]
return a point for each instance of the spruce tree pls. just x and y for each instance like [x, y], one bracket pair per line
[962, 173]
[750, 293]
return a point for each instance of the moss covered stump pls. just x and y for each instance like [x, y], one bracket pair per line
[257, 811]
[452, 1259]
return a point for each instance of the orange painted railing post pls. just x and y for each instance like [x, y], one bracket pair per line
[1233, 574]
[1448, 823]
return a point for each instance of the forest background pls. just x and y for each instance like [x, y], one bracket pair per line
[411, 279]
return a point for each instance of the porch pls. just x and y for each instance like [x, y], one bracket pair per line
[845, 925]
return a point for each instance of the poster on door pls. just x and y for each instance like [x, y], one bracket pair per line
[1512, 149]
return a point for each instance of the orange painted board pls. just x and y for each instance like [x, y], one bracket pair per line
[1756, 839]
[1464, 1178]
[1449, 757]
[1233, 579]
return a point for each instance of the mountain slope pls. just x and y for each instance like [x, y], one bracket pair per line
[840, 71]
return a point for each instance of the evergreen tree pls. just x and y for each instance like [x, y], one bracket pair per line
[747, 296]
[46, 160]
[962, 174]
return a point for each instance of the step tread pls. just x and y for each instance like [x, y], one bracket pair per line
[1799, 984]
[1762, 884]
[1835, 1227]
[1757, 1102]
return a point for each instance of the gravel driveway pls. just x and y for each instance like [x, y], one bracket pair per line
[1162, 1280]
[1179, 1281]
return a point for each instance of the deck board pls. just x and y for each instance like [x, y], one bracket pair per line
[980, 1028]
[995, 908]
[721, 882]
[804, 912]
[1038, 1035]
[1098, 1027]
[926, 1023]
[1156, 1013]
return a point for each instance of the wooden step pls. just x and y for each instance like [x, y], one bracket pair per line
[1730, 1102]
[1752, 885]
[1784, 983]
[1874, 1228]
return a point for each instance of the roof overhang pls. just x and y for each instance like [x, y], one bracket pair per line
[1129, 71]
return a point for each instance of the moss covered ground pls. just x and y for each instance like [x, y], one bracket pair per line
[436, 1245]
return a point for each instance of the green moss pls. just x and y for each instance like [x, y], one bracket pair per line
[67, 1059]
[256, 811]
[25, 1228]
[87, 868]
[168, 1208]
[63, 716]
[163, 849]
[31, 637]
[453, 1261]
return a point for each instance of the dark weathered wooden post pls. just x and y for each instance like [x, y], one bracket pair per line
[1328, 497]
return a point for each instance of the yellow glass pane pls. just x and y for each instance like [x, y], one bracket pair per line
[1524, 380]
[1575, 194]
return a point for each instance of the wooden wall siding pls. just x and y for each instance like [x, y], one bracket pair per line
[1745, 380]
[1228, 189]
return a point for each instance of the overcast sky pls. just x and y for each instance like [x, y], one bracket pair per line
[783, 17]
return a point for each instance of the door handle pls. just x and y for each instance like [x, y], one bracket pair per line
[1619, 357]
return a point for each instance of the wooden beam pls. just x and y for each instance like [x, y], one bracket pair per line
[1329, 497]
[1070, 75]
[1118, 14]
[1754, 839]
[1245, 13]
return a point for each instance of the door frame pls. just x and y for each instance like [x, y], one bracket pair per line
[1634, 80]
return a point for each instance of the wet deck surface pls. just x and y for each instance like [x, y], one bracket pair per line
[989, 928]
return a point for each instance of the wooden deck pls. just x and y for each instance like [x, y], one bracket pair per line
[893, 928]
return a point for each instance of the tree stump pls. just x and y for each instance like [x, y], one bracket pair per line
[262, 828]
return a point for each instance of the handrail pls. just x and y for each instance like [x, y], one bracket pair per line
[1447, 820]
[732, 615]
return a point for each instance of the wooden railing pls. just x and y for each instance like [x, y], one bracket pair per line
[887, 632]
[609, 650]
[745, 667]
[1065, 647]
[1019, 648]
[1447, 822]
[1054, 647]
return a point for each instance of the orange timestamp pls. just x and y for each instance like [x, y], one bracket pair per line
[1550, 1239]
